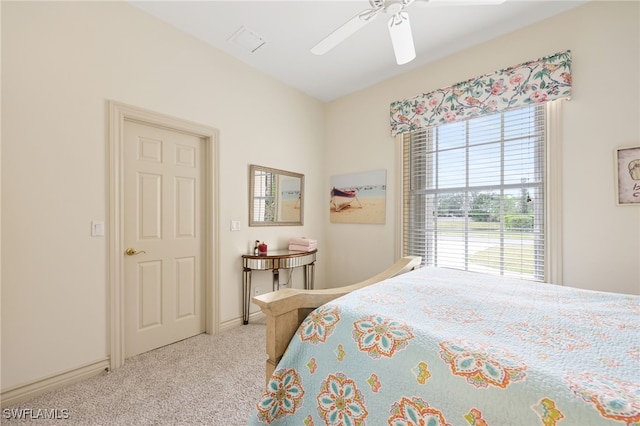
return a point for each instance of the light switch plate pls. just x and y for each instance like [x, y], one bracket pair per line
[97, 229]
[235, 225]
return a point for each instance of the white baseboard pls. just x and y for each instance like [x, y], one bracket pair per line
[32, 389]
[228, 325]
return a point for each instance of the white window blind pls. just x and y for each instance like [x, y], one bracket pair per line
[473, 194]
[264, 194]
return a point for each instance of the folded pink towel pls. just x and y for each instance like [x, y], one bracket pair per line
[297, 247]
[302, 241]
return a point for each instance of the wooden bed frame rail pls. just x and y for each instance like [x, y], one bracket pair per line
[287, 308]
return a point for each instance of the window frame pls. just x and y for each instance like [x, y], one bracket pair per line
[552, 190]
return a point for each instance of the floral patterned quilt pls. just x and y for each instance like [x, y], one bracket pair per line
[445, 347]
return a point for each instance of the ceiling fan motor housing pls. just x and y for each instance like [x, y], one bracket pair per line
[393, 7]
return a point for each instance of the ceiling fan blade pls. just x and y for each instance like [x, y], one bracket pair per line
[346, 30]
[401, 38]
[425, 3]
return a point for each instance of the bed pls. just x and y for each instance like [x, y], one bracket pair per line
[436, 346]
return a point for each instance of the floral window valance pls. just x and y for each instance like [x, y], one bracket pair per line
[542, 80]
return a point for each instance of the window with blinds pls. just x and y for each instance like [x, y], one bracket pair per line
[264, 196]
[473, 194]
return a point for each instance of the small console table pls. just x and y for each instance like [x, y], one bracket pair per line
[274, 260]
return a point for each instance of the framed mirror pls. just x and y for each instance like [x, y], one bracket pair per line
[276, 197]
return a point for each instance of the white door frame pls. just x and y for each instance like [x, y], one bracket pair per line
[118, 113]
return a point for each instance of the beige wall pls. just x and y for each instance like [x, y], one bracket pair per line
[601, 240]
[61, 63]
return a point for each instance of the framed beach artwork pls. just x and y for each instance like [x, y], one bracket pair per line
[628, 176]
[359, 198]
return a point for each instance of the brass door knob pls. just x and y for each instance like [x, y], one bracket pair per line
[132, 252]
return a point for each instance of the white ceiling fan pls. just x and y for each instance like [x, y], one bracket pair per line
[398, 24]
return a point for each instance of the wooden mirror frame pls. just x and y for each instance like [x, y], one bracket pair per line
[297, 204]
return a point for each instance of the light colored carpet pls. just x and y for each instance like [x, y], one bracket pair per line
[212, 380]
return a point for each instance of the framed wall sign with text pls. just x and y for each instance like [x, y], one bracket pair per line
[628, 176]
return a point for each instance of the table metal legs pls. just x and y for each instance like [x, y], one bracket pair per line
[309, 275]
[246, 294]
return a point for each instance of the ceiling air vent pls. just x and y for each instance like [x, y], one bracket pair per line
[247, 39]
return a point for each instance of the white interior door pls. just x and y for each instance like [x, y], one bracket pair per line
[164, 271]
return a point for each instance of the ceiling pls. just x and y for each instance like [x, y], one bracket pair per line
[291, 28]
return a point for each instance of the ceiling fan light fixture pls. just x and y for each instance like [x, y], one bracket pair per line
[393, 7]
[401, 38]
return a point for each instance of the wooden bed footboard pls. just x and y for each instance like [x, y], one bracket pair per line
[286, 309]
